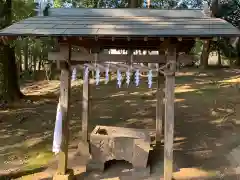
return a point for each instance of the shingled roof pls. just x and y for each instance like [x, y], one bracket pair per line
[122, 22]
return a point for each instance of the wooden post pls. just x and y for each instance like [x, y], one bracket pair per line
[85, 107]
[169, 115]
[159, 109]
[64, 105]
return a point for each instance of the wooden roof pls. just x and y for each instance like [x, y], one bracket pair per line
[122, 22]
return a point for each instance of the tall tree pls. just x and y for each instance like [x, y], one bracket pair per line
[10, 89]
[230, 11]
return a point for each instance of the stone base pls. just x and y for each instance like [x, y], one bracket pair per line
[83, 149]
[117, 143]
[68, 176]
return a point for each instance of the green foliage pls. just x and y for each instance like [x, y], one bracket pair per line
[230, 11]
[100, 3]
[197, 48]
[227, 48]
[22, 9]
[58, 3]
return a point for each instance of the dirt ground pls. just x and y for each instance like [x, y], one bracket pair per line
[207, 122]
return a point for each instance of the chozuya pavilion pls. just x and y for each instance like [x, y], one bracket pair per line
[171, 32]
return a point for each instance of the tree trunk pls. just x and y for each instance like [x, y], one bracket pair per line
[205, 54]
[11, 90]
[219, 63]
[18, 53]
[40, 63]
[20, 62]
[34, 59]
[26, 55]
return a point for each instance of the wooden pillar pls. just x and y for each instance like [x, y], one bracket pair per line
[85, 107]
[159, 108]
[64, 105]
[169, 114]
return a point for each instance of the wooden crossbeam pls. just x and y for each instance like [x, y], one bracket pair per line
[114, 67]
[85, 57]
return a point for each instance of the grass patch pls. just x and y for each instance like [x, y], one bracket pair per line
[40, 160]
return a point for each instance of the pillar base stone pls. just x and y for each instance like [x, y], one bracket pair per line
[83, 149]
[68, 176]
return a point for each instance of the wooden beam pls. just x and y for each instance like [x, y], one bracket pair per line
[85, 107]
[130, 43]
[78, 56]
[169, 115]
[64, 105]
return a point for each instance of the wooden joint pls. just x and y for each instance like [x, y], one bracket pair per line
[65, 65]
[169, 73]
[215, 39]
